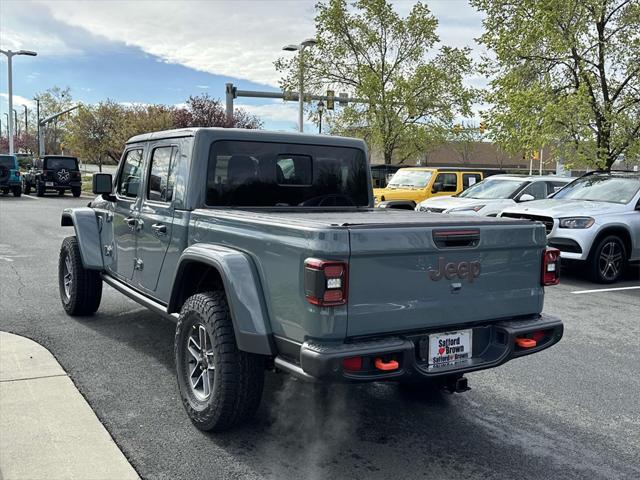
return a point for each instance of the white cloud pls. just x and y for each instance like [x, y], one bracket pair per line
[203, 87]
[277, 111]
[17, 100]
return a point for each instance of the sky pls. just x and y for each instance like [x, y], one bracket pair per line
[155, 51]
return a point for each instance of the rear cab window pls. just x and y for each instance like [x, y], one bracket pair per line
[469, 179]
[58, 163]
[161, 180]
[449, 182]
[265, 174]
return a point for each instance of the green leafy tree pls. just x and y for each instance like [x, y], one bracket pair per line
[393, 63]
[566, 74]
[54, 100]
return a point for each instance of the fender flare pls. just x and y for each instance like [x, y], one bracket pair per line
[243, 290]
[85, 224]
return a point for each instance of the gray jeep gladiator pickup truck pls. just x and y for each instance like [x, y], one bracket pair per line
[267, 251]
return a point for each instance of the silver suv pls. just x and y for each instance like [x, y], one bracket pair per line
[595, 219]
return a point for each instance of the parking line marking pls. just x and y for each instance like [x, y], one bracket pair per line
[606, 290]
[29, 196]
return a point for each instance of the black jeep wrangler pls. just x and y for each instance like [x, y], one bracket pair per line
[54, 172]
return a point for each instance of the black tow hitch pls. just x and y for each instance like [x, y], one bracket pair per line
[456, 385]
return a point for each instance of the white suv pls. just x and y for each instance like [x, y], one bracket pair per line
[492, 195]
[595, 219]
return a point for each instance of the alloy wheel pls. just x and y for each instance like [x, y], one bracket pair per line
[199, 362]
[610, 260]
[67, 277]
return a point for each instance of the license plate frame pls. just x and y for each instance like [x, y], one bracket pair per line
[450, 348]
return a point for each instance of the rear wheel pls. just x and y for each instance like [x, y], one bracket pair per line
[5, 191]
[40, 189]
[27, 188]
[17, 191]
[61, 192]
[76, 191]
[219, 384]
[80, 288]
[607, 260]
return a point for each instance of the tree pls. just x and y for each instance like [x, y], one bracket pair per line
[464, 139]
[54, 100]
[205, 111]
[390, 62]
[565, 73]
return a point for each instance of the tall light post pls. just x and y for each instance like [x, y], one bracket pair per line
[320, 112]
[10, 54]
[309, 42]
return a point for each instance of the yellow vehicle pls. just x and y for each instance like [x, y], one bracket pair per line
[416, 184]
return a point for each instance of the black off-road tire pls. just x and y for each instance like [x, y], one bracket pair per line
[5, 191]
[61, 192]
[85, 289]
[596, 264]
[17, 191]
[238, 377]
[40, 189]
[76, 191]
[27, 188]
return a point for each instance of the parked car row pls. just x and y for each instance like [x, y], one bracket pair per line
[57, 173]
[594, 220]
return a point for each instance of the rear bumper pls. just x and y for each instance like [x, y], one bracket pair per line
[493, 344]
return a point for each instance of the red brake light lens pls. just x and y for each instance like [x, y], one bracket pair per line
[550, 266]
[325, 282]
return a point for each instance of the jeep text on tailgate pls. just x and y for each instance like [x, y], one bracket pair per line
[265, 248]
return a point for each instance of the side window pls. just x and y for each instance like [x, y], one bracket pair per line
[449, 182]
[161, 174]
[293, 170]
[537, 189]
[469, 179]
[129, 180]
[553, 187]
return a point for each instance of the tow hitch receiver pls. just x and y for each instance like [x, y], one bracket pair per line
[456, 385]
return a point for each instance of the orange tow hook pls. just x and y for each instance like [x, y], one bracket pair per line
[386, 366]
[525, 342]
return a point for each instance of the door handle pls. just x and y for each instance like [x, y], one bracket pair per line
[159, 229]
[133, 223]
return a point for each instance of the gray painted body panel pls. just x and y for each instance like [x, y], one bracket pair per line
[242, 286]
[395, 265]
[87, 230]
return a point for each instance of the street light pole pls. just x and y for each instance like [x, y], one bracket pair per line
[320, 112]
[38, 123]
[9, 54]
[310, 42]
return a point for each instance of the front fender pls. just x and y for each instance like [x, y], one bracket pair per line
[243, 290]
[85, 223]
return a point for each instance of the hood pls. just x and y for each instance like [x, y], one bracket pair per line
[561, 208]
[391, 193]
[454, 202]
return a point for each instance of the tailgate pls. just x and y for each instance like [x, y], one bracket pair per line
[419, 277]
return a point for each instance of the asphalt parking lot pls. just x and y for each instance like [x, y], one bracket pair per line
[570, 412]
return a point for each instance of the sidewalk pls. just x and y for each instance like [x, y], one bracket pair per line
[47, 429]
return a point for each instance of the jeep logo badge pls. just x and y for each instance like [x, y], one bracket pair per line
[462, 270]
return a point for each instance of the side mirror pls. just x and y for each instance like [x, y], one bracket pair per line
[102, 184]
[525, 197]
[437, 187]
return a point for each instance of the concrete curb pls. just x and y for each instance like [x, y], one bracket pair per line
[47, 429]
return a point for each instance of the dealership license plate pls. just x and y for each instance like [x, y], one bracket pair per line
[48, 184]
[449, 348]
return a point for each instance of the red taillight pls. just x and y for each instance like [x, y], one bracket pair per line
[352, 364]
[550, 266]
[17, 173]
[325, 282]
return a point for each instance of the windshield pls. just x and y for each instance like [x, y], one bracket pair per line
[601, 188]
[493, 188]
[6, 161]
[264, 174]
[411, 178]
[68, 163]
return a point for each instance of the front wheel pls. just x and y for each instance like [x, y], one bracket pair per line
[608, 260]
[219, 384]
[27, 188]
[17, 191]
[80, 288]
